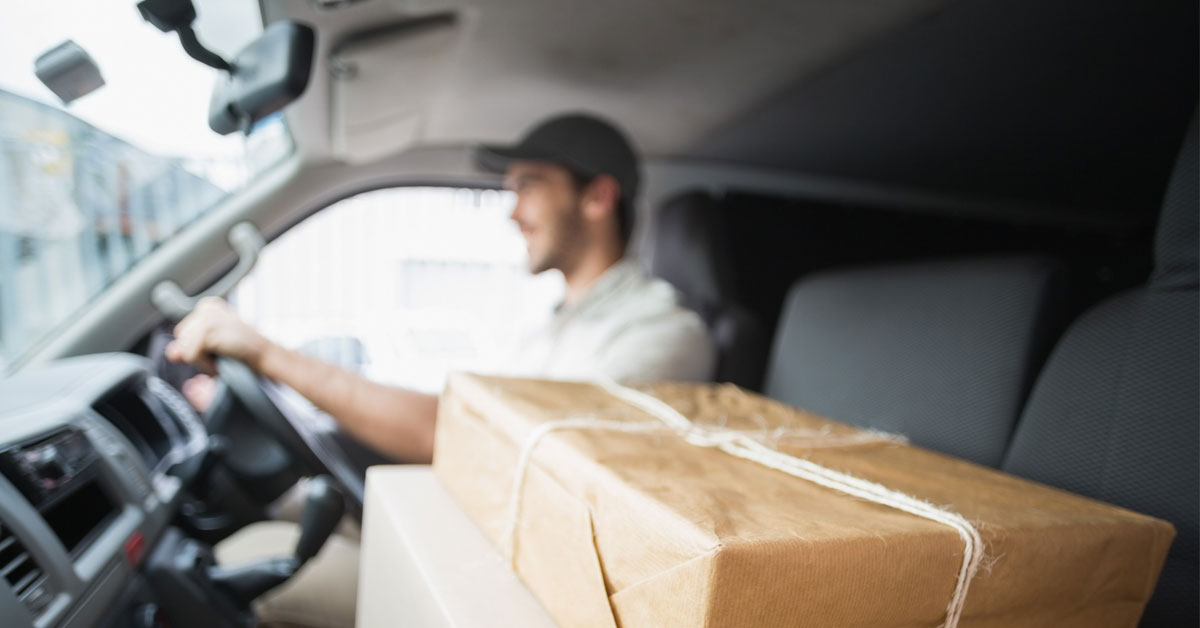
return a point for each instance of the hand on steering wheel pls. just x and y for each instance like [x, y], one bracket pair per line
[212, 328]
[216, 341]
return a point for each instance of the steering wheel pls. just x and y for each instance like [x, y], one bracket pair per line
[314, 449]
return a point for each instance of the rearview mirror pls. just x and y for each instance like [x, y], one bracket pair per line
[266, 76]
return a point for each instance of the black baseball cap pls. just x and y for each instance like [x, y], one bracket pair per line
[583, 143]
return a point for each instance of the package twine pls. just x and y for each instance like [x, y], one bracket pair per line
[744, 445]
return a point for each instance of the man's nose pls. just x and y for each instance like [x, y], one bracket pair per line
[515, 214]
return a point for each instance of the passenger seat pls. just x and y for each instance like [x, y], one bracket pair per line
[1114, 415]
[943, 352]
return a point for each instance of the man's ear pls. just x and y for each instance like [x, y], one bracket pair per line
[601, 197]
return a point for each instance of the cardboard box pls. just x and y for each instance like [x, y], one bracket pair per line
[425, 564]
[647, 529]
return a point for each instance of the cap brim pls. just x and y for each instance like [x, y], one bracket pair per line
[497, 159]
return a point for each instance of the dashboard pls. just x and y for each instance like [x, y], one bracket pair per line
[85, 446]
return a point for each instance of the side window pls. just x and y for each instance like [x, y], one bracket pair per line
[403, 285]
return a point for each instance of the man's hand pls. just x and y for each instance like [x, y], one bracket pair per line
[213, 328]
[394, 421]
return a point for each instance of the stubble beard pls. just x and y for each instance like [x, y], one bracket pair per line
[566, 243]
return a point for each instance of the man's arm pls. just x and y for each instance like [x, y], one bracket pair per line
[395, 421]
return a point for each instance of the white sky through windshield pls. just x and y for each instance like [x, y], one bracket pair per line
[155, 97]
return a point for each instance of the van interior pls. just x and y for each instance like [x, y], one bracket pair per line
[971, 222]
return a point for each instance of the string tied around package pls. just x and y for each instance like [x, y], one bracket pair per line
[749, 446]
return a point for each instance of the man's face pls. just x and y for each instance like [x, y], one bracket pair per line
[548, 214]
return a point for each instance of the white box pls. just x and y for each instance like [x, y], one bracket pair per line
[424, 563]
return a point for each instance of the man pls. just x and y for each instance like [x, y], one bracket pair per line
[576, 178]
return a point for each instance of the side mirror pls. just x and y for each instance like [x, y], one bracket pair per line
[68, 71]
[266, 76]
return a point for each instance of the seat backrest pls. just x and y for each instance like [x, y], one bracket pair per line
[943, 352]
[690, 252]
[1114, 414]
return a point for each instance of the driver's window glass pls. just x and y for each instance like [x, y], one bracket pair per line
[404, 285]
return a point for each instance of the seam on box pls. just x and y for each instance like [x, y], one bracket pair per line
[600, 564]
[712, 553]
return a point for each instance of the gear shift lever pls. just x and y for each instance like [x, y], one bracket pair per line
[323, 510]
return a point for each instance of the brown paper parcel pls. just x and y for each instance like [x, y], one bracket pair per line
[647, 530]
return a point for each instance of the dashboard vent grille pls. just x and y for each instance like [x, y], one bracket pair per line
[21, 571]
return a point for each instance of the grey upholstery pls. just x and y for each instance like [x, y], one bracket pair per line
[690, 252]
[1114, 415]
[942, 352]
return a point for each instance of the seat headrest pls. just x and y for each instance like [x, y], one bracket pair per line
[690, 252]
[1177, 242]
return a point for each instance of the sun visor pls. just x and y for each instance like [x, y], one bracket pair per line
[385, 84]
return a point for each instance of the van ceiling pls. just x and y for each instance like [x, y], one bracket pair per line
[1057, 103]
[670, 71]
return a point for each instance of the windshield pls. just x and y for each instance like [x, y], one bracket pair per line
[88, 190]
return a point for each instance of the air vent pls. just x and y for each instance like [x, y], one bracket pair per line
[128, 412]
[21, 571]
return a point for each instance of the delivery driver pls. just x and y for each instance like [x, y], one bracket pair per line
[575, 178]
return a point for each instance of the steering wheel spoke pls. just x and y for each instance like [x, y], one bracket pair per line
[315, 450]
